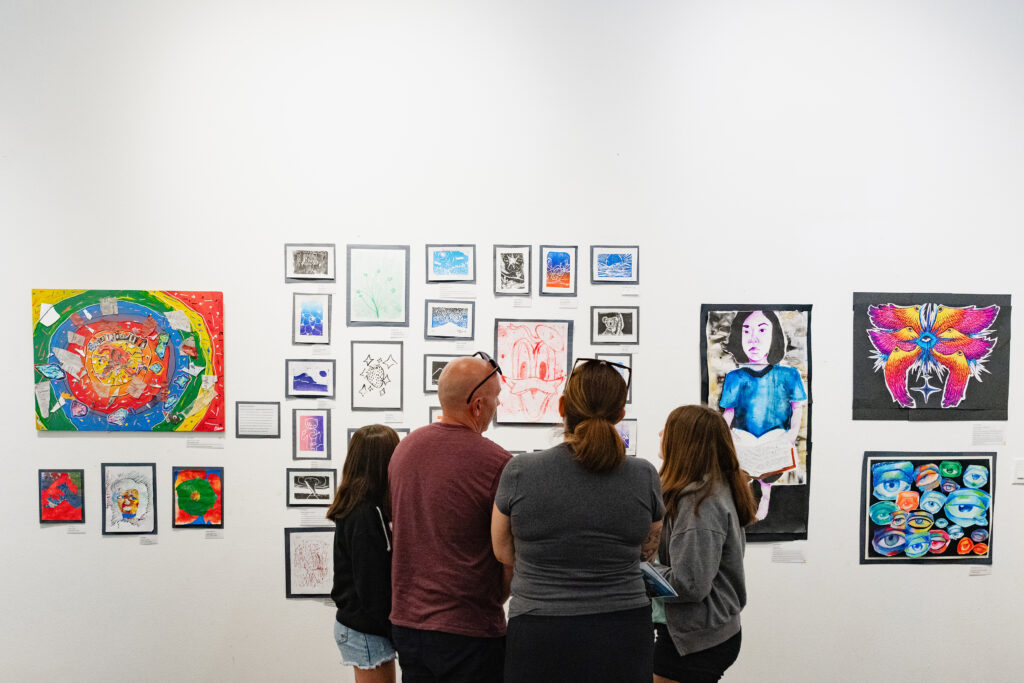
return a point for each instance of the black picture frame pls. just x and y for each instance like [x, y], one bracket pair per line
[633, 338]
[330, 318]
[356, 375]
[573, 276]
[240, 435]
[327, 536]
[429, 387]
[151, 466]
[313, 472]
[509, 376]
[175, 469]
[618, 358]
[431, 249]
[428, 306]
[328, 431]
[329, 276]
[596, 280]
[527, 251]
[290, 393]
[80, 494]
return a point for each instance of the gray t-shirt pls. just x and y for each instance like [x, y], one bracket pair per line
[577, 533]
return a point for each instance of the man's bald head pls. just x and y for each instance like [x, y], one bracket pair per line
[458, 379]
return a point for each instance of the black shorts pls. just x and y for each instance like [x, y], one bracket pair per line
[705, 666]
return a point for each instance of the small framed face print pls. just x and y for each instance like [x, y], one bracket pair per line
[614, 265]
[197, 497]
[614, 325]
[450, 319]
[129, 498]
[451, 263]
[311, 318]
[557, 270]
[622, 359]
[311, 434]
[627, 431]
[62, 496]
[433, 364]
[304, 262]
[512, 269]
[311, 487]
[309, 378]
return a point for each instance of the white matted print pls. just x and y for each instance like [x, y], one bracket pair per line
[449, 319]
[309, 377]
[622, 359]
[615, 265]
[311, 487]
[433, 364]
[309, 562]
[558, 266]
[311, 318]
[377, 371]
[614, 324]
[311, 434]
[512, 269]
[627, 432]
[451, 263]
[129, 498]
[308, 262]
[378, 285]
[534, 356]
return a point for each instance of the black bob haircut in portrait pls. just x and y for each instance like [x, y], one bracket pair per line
[734, 346]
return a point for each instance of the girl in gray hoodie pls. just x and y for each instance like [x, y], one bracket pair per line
[708, 501]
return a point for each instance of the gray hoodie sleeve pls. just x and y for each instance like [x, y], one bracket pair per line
[695, 554]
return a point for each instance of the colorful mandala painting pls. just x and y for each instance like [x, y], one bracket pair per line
[128, 360]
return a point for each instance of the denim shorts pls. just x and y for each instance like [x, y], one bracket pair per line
[362, 650]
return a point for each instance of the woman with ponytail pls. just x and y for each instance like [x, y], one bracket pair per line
[575, 521]
[708, 501]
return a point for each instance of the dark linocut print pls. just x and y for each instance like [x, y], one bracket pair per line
[930, 356]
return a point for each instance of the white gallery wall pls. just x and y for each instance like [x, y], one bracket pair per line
[782, 152]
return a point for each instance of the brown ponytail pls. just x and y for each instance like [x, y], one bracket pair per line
[593, 401]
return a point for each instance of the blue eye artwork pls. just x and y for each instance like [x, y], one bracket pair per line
[927, 508]
[975, 476]
[888, 479]
[932, 501]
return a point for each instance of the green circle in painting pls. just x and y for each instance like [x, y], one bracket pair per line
[195, 496]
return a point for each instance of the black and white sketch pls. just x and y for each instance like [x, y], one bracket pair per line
[433, 364]
[449, 319]
[308, 262]
[614, 324]
[311, 487]
[377, 371]
[512, 269]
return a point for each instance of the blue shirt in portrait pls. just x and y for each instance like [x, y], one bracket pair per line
[762, 399]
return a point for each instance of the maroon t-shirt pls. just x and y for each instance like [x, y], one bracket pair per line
[444, 575]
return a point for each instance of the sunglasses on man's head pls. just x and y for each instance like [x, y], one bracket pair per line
[497, 369]
[619, 366]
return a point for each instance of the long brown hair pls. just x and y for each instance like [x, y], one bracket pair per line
[365, 473]
[593, 400]
[697, 446]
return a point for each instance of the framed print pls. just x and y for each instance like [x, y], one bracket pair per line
[378, 285]
[311, 487]
[304, 262]
[512, 269]
[62, 496]
[257, 420]
[401, 431]
[377, 371]
[451, 263]
[557, 270]
[311, 318]
[927, 508]
[129, 498]
[433, 364]
[756, 369]
[309, 378]
[622, 359]
[309, 561]
[931, 357]
[128, 360]
[435, 414]
[449, 319]
[311, 434]
[198, 497]
[536, 357]
[615, 265]
[614, 325]
[627, 432]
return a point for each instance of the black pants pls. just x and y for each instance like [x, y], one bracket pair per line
[705, 666]
[437, 657]
[612, 647]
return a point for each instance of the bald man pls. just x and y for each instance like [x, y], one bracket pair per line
[447, 586]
